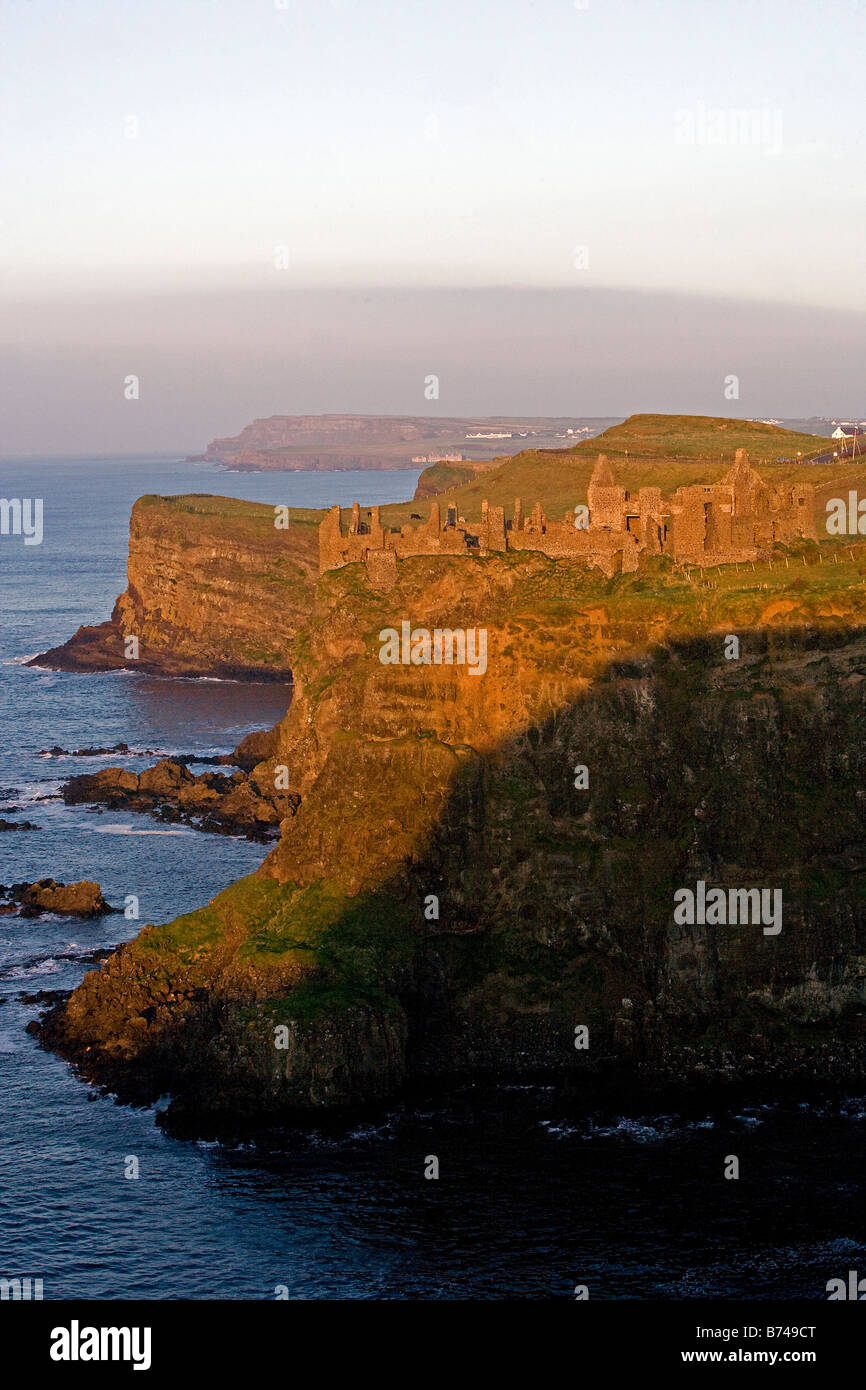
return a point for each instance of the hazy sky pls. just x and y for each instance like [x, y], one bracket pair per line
[259, 209]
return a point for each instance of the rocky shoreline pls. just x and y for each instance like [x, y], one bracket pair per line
[101, 648]
[245, 802]
[211, 802]
[240, 1099]
[92, 650]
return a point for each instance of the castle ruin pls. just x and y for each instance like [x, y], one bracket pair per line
[739, 518]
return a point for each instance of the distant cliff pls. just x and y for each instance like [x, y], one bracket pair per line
[214, 588]
[340, 442]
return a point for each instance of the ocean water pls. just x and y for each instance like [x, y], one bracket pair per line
[533, 1197]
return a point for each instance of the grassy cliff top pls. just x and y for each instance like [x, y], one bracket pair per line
[705, 437]
[253, 519]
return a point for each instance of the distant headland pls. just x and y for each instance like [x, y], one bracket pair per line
[335, 443]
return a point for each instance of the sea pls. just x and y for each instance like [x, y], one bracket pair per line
[535, 1198]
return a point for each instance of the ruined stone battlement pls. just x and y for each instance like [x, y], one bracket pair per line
[717, 523]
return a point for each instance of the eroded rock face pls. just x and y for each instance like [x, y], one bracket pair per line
[448, 901]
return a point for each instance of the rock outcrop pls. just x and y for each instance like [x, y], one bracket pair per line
[217, 587]
[82, 899]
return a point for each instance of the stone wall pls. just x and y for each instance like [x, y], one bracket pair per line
[713, 523]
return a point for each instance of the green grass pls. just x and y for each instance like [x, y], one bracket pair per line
[347, 940]
[312, 1000]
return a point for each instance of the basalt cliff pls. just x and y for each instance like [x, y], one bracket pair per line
[479, 877]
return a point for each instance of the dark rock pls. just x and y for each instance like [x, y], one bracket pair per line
[57, 752]
[212, 801]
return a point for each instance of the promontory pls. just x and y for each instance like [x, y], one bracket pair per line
[483, 872]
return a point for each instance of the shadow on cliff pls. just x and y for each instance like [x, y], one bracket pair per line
[555, 900]
[541, 902]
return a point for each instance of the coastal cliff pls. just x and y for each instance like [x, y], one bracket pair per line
[214, 589]
[450, 900]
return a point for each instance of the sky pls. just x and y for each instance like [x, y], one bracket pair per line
[260, 207]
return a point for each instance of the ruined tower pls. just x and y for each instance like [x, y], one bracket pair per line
[606, 500]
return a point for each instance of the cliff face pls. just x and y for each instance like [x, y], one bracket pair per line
[214, 588]
[448, 902]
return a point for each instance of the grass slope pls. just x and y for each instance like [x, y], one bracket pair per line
[666, 451]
